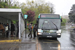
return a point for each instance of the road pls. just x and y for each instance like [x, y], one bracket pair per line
[63, 43]
[48, 44]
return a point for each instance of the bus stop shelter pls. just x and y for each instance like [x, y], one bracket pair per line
[7, 15]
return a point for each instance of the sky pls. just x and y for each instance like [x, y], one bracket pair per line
[61, 7]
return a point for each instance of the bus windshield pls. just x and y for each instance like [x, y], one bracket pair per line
[49, 23]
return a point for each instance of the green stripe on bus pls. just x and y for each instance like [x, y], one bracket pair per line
[38, 16]
[48, 17]
[60, 17]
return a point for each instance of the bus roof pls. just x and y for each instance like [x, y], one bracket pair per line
[49, 16]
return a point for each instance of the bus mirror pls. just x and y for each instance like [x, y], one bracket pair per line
[61, 19]
[37, 20]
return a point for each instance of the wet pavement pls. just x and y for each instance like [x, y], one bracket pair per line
[25, 44]
[48, 44]
[8, 38]
[63, 43]
[14, 46]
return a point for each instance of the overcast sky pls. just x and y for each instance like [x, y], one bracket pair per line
[61, 7]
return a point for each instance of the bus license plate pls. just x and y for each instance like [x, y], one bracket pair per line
[49, 36]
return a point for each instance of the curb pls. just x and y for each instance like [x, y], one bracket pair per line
[17, 42]
[1, 41]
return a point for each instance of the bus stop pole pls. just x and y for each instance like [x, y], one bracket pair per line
[25, 16]
[25, 28]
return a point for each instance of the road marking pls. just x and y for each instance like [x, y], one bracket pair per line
[38, 46]
[57, 48]
[18, 40]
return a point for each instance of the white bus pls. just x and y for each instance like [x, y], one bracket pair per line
[49, 25]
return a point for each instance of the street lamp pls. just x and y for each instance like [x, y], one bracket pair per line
[25, 17]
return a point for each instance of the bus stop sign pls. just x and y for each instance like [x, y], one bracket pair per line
[25, 16]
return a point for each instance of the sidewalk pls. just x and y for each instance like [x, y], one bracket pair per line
[14, 46]
[27, 39]
[25, 44]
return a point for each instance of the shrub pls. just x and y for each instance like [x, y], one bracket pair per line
[63, 22]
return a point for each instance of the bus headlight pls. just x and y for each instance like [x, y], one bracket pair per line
[59, 31]
[39, 33]
[40, 30]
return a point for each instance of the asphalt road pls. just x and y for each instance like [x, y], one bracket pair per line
[63, 43]
[48, 44]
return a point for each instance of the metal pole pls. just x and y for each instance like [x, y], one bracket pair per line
[25, 28]
[19, 25]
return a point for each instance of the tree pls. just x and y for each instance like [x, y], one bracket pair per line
[37, 7]
[3, 5]
[72, 14]
[31, 15]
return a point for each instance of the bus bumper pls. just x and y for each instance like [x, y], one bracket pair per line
[49, 35]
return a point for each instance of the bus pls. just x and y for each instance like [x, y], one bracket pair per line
[49, 25]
